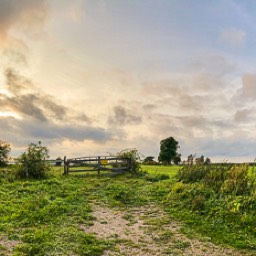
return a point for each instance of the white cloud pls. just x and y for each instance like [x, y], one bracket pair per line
[27, 15]
[248, 90]
[233, 36]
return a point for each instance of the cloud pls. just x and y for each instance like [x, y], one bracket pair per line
[25, 104]
[74, 11]
[248, 90]
[229, 146]
[23, 13]
[59, 112]
[43, 118]
[188, 127]
[197, 106]
[49, 130]
[211, 65]
[43, 115]
[19, 21]
[233, 36]
[26, 99]
[199, 92]
[123, 116]
[243, 116]
[26, 131]
[83, 118]
[149, 107]
[15, 53]
[17, 84]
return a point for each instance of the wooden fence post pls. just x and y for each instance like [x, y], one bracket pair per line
[98, 165]
[65, 165]
[130, 164]
[26, 168]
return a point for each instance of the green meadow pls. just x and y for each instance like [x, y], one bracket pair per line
[44, 217]
[160, 169]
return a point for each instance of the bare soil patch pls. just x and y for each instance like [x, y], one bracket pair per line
[148, 231]
[7, 246]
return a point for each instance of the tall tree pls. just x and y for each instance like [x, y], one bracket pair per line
[199, 160]
[4, 152]
[168, 151]
[207, 161]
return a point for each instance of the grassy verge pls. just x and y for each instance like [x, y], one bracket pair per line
[43, 217]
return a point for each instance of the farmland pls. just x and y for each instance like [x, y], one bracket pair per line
[148, 213]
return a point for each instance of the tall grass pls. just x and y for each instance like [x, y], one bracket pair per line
[218, 200]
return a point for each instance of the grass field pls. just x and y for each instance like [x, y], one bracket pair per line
[161, 169]
[44, 217]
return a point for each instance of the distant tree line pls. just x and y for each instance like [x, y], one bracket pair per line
[169, 155]
[192, 159]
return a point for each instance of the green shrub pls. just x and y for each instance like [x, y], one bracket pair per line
[4, 153]
[224, 179]
[192, 173]
[134, 155]
[178, 187]
[217, 200]
[237, 181]
[32, 163]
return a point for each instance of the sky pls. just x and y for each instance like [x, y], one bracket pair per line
[93, 77]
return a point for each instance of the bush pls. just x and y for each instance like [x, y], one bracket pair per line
[4, 153]
[224, 179]
[133, 154]
[32, 163]
[192, 173]
[238, 181]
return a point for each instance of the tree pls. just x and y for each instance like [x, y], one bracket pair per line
[149, 160]
[5, 150]
[177, 159]
[199, 160]
[168, 151]
[207, 161]
[32, 163]
[190, 160]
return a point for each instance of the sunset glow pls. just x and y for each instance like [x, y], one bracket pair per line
[9, 114]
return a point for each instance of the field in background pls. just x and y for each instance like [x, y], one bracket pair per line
[161, 169]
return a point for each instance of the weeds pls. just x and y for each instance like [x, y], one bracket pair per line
[217, 200]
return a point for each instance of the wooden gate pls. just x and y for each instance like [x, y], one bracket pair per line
[98, 163]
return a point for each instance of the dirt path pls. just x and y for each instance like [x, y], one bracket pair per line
[7, 246]
[148, 231]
